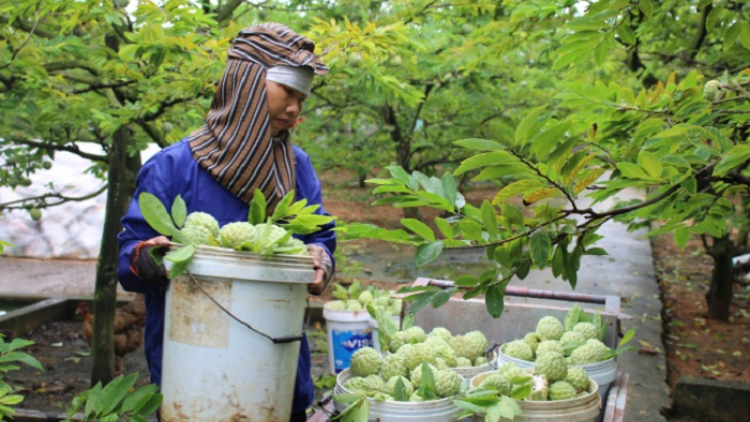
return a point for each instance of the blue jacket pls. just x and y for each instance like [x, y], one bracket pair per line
[172, 172]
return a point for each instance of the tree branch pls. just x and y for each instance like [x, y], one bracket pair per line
[698, 37]
[72, 149]
[154, 134]
[41, 200]
[73, 64]
[97, 86]
[545, 177]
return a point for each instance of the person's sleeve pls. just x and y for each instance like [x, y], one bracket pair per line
[136, 229]
[325, 237]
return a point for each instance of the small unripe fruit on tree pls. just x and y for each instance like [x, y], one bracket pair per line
[711, 90]
[122, 3]
[167, 127]
[11, 161]
[35, 214]
[47, 165]
[355, 59]
[466, 28]
[25, 182]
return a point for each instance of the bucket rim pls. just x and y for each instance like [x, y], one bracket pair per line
[340, 384]
[215, 251]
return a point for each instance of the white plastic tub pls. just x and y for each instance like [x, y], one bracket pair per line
[442, 410]
[217, 369]
[578, 409]
[603, 373]
[348, 331]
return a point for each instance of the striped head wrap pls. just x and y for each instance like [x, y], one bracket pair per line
[235, 145]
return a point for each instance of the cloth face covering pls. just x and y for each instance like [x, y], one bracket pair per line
[235, 145]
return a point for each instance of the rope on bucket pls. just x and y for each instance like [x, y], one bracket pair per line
[275, 340]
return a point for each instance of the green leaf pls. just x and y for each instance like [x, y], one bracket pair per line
[633, 171]
[516, 188]
[483, 160]
[745, 34]
[646, 7]
[181, 260]
[494, 300]
[449, 188]
[738, 155]
[114, 392]
[681, 237]
[92, 399]
[427, 386]
[676, 130]
[347, 398]
[480, 144]
[540, 245]
[444, 227]
[156, 214]
[529, 125]
[258, 208]
[281, 209]
[650, 163]
[513, 214]
[595, 251]
[489, 219]
[421, 229]
[399, 391]
[135, 401]
[627, 337]
[179, 211]
[428, 252]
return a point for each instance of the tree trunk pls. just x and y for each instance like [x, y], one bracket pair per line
[121, 179]
[719, 296]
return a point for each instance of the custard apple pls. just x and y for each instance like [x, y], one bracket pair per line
[446, 353]
[518, 349]
[549, 346]
[462, 362]
[509, 370]
[233, 235]
[561, 390]
[447, 383]
[442, 333]
[269, 233]
[353, 305]
[497, 382]
[416, 374]
[392, 366]
[711, 89]
[578, 378]
[390, 386]
[586, 354]
[357, 384]
[533, 340]
[598, 344]
[480, 360]
[572, 337]
[539, 388]
[205, 220]
[477, 343]
[436, 342]
[415, 335]
[365, 298]
[550, 328]
[552, 365]
[587, 330]
[198, 235]
[398, 339]
[336, 305]
[416, 397]
[414, 354]
[440, 363]
[376, 383]
[365, 361]
[395, 307]
[292, 246]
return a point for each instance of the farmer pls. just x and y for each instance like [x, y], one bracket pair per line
[244, 145]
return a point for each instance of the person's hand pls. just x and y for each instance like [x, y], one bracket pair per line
[323, 269]
[143, 265]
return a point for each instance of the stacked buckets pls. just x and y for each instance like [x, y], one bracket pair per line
[232, 332]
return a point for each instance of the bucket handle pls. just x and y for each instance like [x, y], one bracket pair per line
[275, 340]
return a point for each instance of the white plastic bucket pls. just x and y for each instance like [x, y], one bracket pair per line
[348, 331]
[578, 409]
[603, 373]
[217, 369]
[373, 323]
[442, 410]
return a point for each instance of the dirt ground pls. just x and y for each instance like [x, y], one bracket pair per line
[697, 346]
